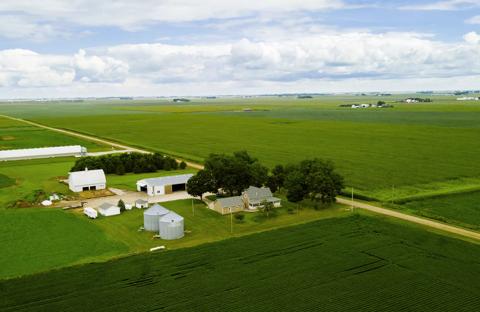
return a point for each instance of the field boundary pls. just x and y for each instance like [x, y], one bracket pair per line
[414, 219]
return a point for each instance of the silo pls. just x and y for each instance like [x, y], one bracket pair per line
[151, 217]
[171, 226]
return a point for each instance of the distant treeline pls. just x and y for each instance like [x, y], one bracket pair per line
[128, 162]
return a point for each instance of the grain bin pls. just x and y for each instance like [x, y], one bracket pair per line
[151, 217]
[171, 226]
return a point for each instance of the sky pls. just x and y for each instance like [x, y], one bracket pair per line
[83, 48]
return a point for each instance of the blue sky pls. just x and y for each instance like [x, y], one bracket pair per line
[58, 48]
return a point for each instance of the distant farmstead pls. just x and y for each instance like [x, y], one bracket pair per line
[164, 185]
[252, 199]
[43, 152]
[87, 180]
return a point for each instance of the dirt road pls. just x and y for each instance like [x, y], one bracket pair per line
[94, 139]
[426, 222]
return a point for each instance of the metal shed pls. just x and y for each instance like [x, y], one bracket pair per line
[151, 217]
[171, 226]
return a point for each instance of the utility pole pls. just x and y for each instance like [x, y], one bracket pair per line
[231, 221]
[193, 208]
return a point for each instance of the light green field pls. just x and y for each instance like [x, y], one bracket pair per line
[34, 240]
[15, 135]
[357, 263]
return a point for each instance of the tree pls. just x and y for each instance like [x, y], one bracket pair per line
[121, 205]
[314, 179]
[182, 165]
[381, 103]
[266, 207]
[200, 183]
[276, 180]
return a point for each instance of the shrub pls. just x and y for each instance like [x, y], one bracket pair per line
[239, 217]
[182, 165]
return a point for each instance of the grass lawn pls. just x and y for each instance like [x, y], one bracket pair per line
[206, 225]
[357, 263]
[34, 240]
[15, 135]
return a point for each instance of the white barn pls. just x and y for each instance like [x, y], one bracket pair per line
[43, 152]
[107, 210]
[87, 180]
[164, 185]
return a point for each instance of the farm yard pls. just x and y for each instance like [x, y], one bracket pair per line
[359, 263]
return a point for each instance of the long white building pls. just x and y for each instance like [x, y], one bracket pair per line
[43, 152]
[87, 180]
[164, 185]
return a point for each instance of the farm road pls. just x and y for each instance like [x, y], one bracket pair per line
[387, 212]
[426, 222]
[94, 139]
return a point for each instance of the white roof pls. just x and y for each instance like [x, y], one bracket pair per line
[168, 180]
[106, 206]
[41, 151]
[87, 177]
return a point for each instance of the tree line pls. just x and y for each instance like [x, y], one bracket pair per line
[314, 179]
[128, 162]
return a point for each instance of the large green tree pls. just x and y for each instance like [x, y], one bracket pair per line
[200, 183]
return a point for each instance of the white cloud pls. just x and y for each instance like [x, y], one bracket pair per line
[446, 5]
[132, 15]
[20, 27]
[473, 20]
[99, 69]
[472, 37]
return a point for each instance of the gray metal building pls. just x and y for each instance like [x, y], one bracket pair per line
[171, 226]
[151, 217]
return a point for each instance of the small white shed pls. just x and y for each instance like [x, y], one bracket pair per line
[107, 210]
[87, 180]
[90, 212]
[140, 203]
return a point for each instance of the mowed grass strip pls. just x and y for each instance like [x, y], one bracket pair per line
[349, 264]
[34, 240]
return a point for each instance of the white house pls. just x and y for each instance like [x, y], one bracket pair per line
[90, 212]
[107, 210]
[164, 185]
[86, 180]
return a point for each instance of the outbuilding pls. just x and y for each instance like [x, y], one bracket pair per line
[43, 152]
[151, 217]
[229, 204]
[108, 209]
[141, 203]
[87, 180]
[90, 212]
[164, 185]
[171, 226]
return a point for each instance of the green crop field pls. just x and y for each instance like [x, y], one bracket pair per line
[14, 135]
[34, 240]
[357, 263]
[460, 209]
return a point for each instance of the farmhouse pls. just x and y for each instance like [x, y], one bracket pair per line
[164, 185]
[43, 152]
[108, 209]
[252, 199]
[86, 180]
[255, 196]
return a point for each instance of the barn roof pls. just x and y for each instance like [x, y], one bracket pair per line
[260, 194]
[42, 152]
[168, 180]
[87, 177]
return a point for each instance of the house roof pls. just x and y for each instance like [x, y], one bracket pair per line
[156, 210]
[42, 151]
[171, 217]
[259, 194]
[141, 201]
[106, 206]
[87, 177]
[233, 201]
[168, 180]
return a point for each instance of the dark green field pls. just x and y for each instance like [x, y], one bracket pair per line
[357, 263]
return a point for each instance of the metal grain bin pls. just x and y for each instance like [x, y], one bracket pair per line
[171, 226]
[151, 217]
